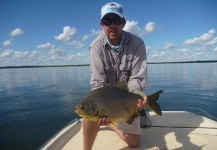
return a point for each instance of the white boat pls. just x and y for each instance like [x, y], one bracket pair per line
[173, 130]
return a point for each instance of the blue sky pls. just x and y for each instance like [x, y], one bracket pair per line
[59, 32]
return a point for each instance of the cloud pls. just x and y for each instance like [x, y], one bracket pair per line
[169, 45]
[6, 53]
[132, 26]
[212, 42]
[46, 45]
[93, 33]
[55, 56]
[85, 37]
[148, 48]
[77, 44]
[7, 43]
[150, 27]
[18, 58]
[200, 40]
[56, 53]
[20, 55]
[96, 32]
[167, 55]
[16, 32]
[68, 33]
[215, 49]
[183, 50]
[60, 57]
[13, 54]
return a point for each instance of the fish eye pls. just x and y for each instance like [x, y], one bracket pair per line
[82, 107]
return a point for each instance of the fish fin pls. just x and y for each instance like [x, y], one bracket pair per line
[130, 120]
[155, 107]
[135, 115]
[138, 93]
[152, 99]
[122, 85]
[155, 96]
[114, 123]
[137, 112]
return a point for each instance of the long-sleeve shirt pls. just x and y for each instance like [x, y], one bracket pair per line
[109, 67]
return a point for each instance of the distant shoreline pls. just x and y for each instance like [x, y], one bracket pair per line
[44, 66]
[201, 61]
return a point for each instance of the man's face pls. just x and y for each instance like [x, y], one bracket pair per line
[113, 30]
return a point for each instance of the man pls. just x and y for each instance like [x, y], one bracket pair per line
[115, 56]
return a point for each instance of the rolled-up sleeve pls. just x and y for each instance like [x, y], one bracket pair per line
[138, 78]
[98, 75]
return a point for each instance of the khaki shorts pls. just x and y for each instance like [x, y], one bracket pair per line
[134, 128]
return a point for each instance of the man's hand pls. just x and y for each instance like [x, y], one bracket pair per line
[103, 121]
[142, 104]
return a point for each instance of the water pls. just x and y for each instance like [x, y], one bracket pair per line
[36, 102]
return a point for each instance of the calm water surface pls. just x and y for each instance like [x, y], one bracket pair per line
[37, 102]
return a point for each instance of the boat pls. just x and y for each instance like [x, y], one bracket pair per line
[173, 130]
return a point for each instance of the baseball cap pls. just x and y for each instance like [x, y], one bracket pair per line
[114, 8]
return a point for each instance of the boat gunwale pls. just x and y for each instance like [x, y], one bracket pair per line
[55, 136]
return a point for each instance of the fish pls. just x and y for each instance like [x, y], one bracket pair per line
[115, 102]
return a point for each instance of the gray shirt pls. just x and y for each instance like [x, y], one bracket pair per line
[109, 67]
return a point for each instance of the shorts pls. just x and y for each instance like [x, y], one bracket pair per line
[133, 128]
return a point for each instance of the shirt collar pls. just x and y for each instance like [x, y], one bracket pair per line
[125, 41]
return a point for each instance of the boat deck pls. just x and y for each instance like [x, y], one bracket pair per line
[173, 130]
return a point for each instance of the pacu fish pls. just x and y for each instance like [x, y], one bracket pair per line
[116, 103]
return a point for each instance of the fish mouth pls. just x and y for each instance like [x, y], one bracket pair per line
[80, 113]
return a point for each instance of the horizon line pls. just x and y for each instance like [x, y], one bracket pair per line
[41, 66]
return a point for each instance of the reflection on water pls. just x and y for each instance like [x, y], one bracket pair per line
[187, 86]
[36, 102]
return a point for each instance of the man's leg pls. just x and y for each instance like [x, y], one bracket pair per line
[90, 130]
[133, 140]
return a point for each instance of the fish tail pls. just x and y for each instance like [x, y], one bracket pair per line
[152, 102]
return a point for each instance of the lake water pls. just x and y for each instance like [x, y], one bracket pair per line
[36, 102]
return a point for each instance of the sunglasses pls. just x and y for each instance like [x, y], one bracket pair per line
[108, 22]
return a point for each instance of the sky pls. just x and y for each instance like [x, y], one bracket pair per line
[59, 32]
